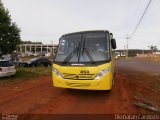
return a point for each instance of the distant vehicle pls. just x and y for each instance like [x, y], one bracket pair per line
[117, 54]
[157, 53]
[29, 53]
[123, 54]
[6, 68]
[17, 61]
[48, 54]
[6, 57]
[14, 60]
[35, 54]
[41, 53]
[37, 62]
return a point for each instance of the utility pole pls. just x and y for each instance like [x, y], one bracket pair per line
[134, 31]
[127, 38]
[52, 53]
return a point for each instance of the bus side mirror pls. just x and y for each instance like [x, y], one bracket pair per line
[113, 44]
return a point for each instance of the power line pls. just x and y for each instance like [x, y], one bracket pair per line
[141, 18]
[134, 14]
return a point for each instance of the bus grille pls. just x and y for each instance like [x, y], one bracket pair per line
[78, 84]
[78, 76]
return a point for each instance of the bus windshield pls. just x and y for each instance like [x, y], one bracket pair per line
[92, 47]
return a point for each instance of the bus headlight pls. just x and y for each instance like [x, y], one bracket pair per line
[102, 73]
[57, 72]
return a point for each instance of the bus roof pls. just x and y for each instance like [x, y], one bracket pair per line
[81, 32]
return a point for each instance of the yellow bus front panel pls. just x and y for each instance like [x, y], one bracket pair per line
[83, 77]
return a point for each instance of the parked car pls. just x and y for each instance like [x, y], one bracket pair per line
[29, 53]
[6, 57]
[17, 61]
[35, 54]
[37, 62]
[6, 68]
[48, 54]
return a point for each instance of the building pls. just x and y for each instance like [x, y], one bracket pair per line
[37, 48]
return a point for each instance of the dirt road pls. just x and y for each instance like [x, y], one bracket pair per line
[37, 96]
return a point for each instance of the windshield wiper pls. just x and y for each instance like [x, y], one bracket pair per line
[74, 51]
[88, 54]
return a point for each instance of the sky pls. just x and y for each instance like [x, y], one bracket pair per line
[47, 20]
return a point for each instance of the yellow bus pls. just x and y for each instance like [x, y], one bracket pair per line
[84, 60]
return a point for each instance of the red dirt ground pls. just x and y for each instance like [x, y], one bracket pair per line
[39, 97]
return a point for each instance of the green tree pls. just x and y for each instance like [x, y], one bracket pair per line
[9, 32]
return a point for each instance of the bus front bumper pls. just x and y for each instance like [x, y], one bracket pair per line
[103, 84]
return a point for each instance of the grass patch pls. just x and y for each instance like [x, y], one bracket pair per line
[24, 73]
